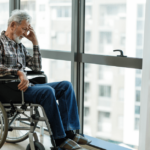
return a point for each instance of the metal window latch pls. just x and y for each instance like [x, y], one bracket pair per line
[121, 53]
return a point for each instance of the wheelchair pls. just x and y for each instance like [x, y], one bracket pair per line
[18, 119]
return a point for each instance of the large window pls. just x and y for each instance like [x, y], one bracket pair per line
[111, 90]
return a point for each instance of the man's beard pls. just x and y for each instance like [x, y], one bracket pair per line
[17, 39]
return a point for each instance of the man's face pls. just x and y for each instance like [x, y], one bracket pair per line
[20, 31]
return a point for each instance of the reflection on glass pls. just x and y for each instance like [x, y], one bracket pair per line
[51, 20]
[109, 25]
[4, 11]
[112, 102]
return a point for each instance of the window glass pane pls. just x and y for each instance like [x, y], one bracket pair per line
[114, 25]
[53, 68]
[112, 100]
[4, 11]
[51, 20]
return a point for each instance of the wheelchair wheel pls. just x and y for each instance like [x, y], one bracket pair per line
[17, 136]
[38, 146]
[3, 125]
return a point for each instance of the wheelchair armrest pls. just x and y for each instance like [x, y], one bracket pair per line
[34, 72]
[9, 77]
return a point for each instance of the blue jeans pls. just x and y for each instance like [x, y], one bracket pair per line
[62, 117]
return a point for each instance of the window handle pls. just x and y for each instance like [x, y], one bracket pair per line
[121, 53]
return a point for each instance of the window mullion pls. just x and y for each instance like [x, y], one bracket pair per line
[13, 4]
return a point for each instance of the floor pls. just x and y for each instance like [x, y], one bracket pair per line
[45, 140]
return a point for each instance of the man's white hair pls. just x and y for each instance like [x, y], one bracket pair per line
[18, 16]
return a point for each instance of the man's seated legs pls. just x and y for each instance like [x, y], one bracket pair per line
[62, 118]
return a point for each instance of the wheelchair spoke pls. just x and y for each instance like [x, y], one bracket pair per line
[25, 115]
[13, 119]
[2, 127]
[18, 134]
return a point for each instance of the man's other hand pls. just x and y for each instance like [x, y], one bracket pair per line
[23, 85]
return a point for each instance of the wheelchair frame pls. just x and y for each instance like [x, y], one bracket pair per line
[33, 119]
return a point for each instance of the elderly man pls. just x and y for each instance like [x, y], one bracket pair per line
[14, 57]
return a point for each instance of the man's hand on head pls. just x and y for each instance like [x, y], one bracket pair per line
[31, 36]
[23, 85]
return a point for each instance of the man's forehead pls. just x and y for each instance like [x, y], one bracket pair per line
[25, 23]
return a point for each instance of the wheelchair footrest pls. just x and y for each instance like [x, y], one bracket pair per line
[35, 117]
[55, 148]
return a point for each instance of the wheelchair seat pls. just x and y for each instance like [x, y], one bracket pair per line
[14, 118]
[9, 90]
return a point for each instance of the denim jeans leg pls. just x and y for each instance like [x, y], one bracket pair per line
[67, 104]
[45, 96]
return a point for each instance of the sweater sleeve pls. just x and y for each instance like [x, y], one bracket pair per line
[3, 69]
[33, 62]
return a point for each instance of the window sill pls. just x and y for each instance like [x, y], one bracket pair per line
[104, 144]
